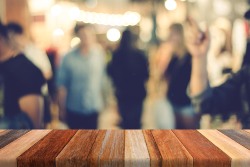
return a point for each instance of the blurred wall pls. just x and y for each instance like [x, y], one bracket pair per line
[18, 11]
[2, 10]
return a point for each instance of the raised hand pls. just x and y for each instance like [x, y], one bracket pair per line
[198, 44]
[197, 41]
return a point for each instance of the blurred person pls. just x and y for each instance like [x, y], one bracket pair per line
[21, 87]
[129, 72]
[220, 59]
[246, 59]
[239, 42]
[21, 43]
[158, 112]
[219, 65]
[80, 81]
[231, 96]
[177, 74]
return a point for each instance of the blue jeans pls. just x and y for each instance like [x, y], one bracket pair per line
[77, 120]
[18, 121]
[186, 118]
[186, 111]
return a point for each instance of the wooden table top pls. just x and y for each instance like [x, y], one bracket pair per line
[130, 148]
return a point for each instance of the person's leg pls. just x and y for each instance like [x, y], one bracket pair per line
[73, 120]
[122, 111]
[90, 121]
[131, 115]
[47, 111]
[186, 118]
[178, 120]
[136, 116]
[77, 120]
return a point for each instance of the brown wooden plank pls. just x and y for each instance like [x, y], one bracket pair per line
[247, 130]
[136, 152]
[204, 153]
[154, 153]
[76, 152]
[112, 152]
[172, 151]
[44, 152]
[240, 156]
[1, 130]
[10, 136]
[9, 153]
[4, 132]
[239, 136]
[108, 149]
[93, 158]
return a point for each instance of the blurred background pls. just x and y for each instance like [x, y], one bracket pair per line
[158, 34]
[50, 21]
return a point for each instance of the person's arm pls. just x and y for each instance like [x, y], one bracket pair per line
[198, 45]
[164, 55]
[61, 94]
[48, 75]
[30, 81]
[144, 66]
[32, 105]
[62, 84]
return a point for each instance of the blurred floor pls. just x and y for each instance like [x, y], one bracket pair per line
[109, 119]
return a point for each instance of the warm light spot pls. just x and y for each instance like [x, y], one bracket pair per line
[113, 34]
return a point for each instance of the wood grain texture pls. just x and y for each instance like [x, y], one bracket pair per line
[204, 153]
[112, 153]
[4, 132]
[110, 150]
[239, 136]
[10, 136]
[136, 152]
[9, 153]
[154, 153]
[93, 158]
[240, 156]
[125, 148]
[172, 151]
[76, 152]
[44, 152]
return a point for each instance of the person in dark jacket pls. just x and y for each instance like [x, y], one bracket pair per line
[233, 95]
[21, 83]
[129, 72]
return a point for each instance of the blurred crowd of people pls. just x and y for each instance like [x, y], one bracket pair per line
[171, 87]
